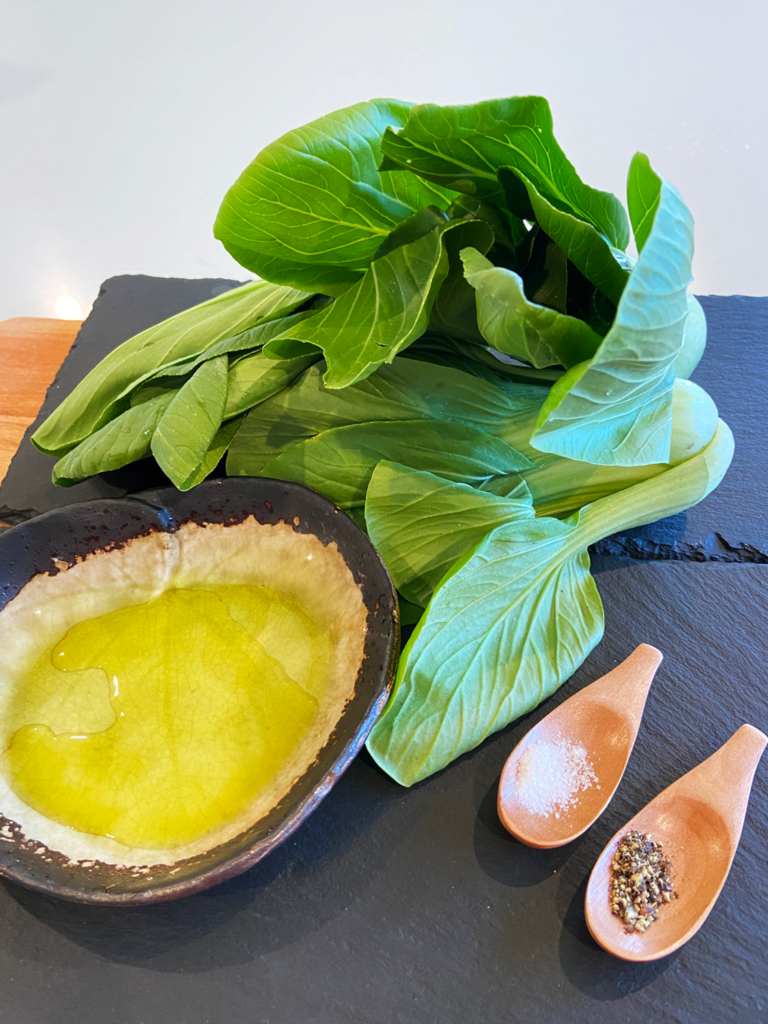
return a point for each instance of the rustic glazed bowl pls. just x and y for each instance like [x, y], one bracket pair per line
[58, 540]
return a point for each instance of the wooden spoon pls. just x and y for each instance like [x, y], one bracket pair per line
[698, 819]
[603, 720]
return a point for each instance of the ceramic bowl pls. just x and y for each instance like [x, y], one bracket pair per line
[58, 540]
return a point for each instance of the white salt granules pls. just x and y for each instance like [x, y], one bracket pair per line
[551, 775]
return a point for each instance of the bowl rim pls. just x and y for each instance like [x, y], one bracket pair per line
[55, 540]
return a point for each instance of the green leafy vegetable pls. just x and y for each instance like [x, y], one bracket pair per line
[463, 147]
[421, 523]
[513, 619]
[616, 408]
[453, 337]
[216, 451]
[512, 324]
[187, 429]
[405, 390]
[312, 208]
[123, 440]
[339, 462]
[643, 197]
[377, 318]
[579, 240]
[105, 391]
[256, 377]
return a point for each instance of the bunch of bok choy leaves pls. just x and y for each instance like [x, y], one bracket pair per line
[451, 342]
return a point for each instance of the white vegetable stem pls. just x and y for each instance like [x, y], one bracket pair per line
[666, 494]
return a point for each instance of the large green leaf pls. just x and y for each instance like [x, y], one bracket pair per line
[313, 206]
[314, 277]
[246, 342]
[256, 377]
[377, 318]
[462, 148]
[615, 409]
[339, 462]
[513, 620]
[512, 324]
[582, 243]
[105, 391]
[643, 197]
[216, 451]
[185, 433]
[421, 523]
[121, 441]
[406, 389]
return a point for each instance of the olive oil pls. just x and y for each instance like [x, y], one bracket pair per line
[157, 723]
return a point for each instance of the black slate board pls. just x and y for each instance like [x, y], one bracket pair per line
[416, 906]
[412, 907]
[124, 306]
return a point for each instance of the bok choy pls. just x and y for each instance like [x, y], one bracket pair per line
[452, 343]
[512, 618]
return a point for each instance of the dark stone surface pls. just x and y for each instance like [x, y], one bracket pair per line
[124, 306]
[406, 907]
[412, 907]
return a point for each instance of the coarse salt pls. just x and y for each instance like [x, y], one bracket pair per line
[550, 776]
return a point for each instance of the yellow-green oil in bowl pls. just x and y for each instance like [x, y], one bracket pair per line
[155, 723]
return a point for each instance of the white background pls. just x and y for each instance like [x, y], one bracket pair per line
[123, 124]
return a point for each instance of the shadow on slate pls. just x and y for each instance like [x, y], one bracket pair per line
[124, 307]
[414, 906]
[175, 936]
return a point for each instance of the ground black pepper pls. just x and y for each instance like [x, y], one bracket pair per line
[640, 880]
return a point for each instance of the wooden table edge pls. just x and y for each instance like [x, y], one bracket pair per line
[32, 350]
